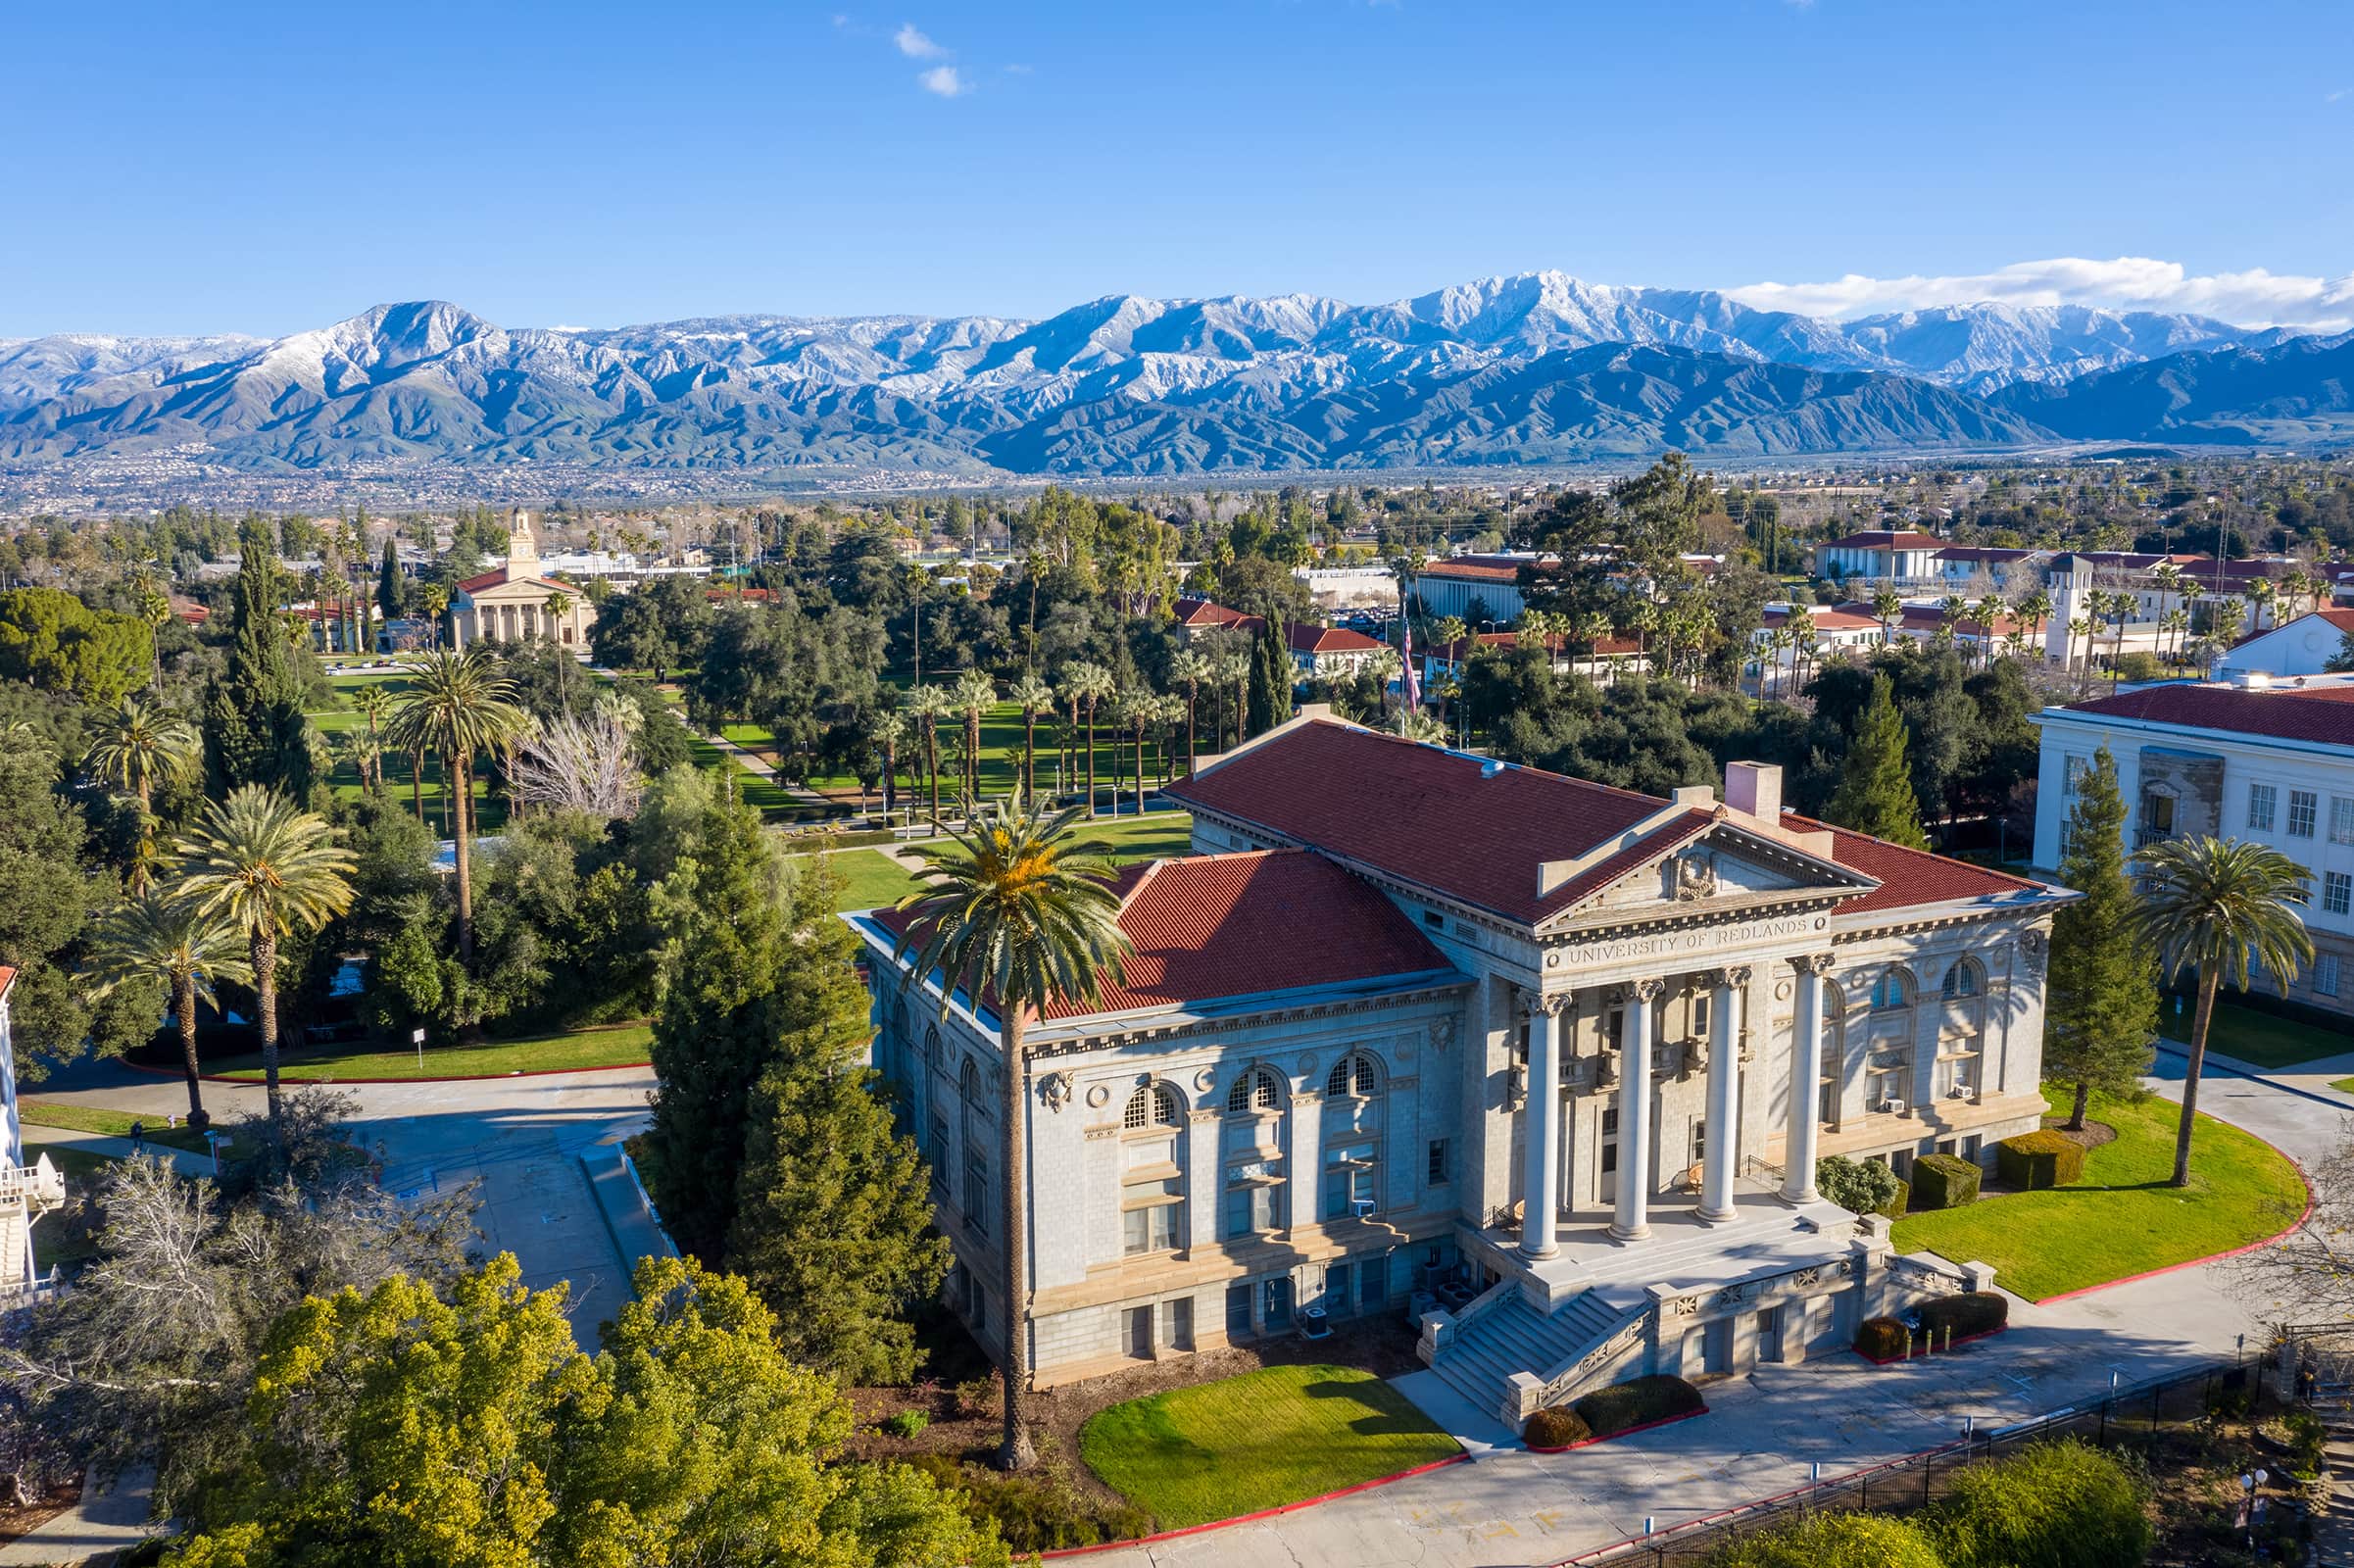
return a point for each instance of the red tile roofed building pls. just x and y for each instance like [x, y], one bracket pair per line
[1879, 556]
[1198, 615]
[1475, 588]
[1327, 653]
[515, 602]
[1406, 1007]
[1606, 658]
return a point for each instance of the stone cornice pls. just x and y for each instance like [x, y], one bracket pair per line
[1182, 1031]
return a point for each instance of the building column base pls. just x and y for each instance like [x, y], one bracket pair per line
[1801, 1197]
[1714, 1216]
[1637, 1232]
[1540, 1254]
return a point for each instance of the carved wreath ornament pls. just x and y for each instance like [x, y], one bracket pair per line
[1056, 1087]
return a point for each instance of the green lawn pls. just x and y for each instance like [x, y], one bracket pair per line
[871, 878]
[2120, 1219]
[2258, 1038]
[1257, 1441]
[620, 1045]
[107, 1121]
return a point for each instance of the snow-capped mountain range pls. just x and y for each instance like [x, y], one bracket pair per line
[1538, 368]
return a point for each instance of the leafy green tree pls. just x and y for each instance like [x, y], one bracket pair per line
[48, 890]
[1270, 697]
[1831, 1541]
[52, 641]
[2063, 1505]
[833, 1213]
[272, 870]
[1859, 1186]
[254, 728]
[2208, 905]
[1875, 790]
[2100, 1011]
[151, 938]
[728, 928]
[1011, 907]
[391, 599]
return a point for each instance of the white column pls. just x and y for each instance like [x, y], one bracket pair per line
[1632, 1220]
[1541, 1151]
[1806, 1075]
[1724, 1094]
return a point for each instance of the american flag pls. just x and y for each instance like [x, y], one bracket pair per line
[1414, 690]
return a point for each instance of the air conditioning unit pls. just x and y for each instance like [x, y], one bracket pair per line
[1960, 1090]
[1892, 1107]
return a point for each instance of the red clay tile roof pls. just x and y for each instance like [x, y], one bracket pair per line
[1906, 877]
[8, 978]
[1480, 568]
[1886, 539]
[2325, 716]
[1827, 620]
[1206, 612]
[1212, 926]
[1306, 638]
[2342, 619]
[1554, 643]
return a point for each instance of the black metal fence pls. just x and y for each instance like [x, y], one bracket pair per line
[2132, 1415]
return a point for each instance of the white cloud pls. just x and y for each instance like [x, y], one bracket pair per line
[2254, 298]
[915, 44]
[943, 81]
[2341, 92]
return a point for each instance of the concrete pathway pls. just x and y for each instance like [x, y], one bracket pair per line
[38, 1138]
[101, 1524]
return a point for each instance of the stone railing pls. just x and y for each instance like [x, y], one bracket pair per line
[1573, 1373]
[1921, 1276]
[1440, 1327]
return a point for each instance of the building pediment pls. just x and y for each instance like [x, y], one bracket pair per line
[1729, 869]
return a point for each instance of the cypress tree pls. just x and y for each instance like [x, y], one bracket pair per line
[388, 583]
[1271, 694]
[254, 728]
[1875, 790]
[2100, 1009]
[833, 1216]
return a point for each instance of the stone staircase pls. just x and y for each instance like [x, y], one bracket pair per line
[2334, 1522]
[1515, 1337]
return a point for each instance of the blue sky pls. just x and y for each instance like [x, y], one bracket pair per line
[264, 169]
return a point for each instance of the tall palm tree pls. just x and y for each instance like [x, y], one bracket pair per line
[2262, 594]
[1887, 604]
[1087, 686]
[155, 608]
[2036, 611]
[928, 706]
[975, 695]
[1019, 920]
[460, 706]
[153, 937]
[2207, 903]
[1036, 697]
[1991, 610]
[2079, 626]
[375, 705]
[270, 870]
[437, 604]
[886, 732]
[1234, 671]
[140, 745]
[1190, 669]
[1137, 710]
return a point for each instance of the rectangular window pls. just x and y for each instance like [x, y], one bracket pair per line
[2325, 974]
[1349, 1186]
[1373, 1283]
[2338, 893]
[1149, 1212]
[1336, 1289]
[976, 1187]
[2072, 770]
[2260, 797]
[1254, 1199]
[940, 1152]
[2302, 812]
[2342, 819]
[1438, 1165]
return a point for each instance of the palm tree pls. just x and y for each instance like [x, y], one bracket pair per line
[1887, 604]
[375, 705]
[928, 706]
[155, 608]
[975, 695]
[270, 870]
[886, 732]
[151, 936]
[1018, 920]
[437, 604]
[460, 706]
[1190, 670]
[1087, 686]
[1234, 668]
[553, 608]
[1035, 697]
[1990, 611]
[2261, 593]
[1138, 709]
[2035, 610]
[2080, 626]
[140, 745]
[2207, 903]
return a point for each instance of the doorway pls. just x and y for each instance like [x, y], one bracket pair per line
[1607, 1185]
[1140, 1333]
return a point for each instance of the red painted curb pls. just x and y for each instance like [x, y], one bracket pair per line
[442, 1078]
[2212, 1257]
[1900, 1360]
[1263, 1514]
[1640, 1426]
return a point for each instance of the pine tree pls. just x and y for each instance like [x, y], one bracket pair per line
[833, 1216]
[1271, 699]
[254, 728]
[2100, 1008]
[715, 1030]
[1876, 790]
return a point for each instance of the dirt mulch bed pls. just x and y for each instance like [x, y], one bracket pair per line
[1382, 1344]
[22, 1519]
[2091, 1135]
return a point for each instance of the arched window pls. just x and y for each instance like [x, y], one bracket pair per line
[931, 1045]
[1963, 980]
[1894, 988]
[1152, 1105]
[1255, 1090]
[976, 1147]
[1354, 1074]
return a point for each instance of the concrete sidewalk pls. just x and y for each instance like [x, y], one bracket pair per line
[185, 1161]
[102, 1524]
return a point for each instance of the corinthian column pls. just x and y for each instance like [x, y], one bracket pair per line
[1806, 1075]
[1631, 1220]
[1724, 1094]
[1541, 1153]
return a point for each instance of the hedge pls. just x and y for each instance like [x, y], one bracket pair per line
[1883, 1338]
[1943, 1181]
[1832, 1541]
[1637, 1403]
[1968, 1313]
[1895, 1207]
[2053, 1505]
[1557, 1426]
[2043, 1158]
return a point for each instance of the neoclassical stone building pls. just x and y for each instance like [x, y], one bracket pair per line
[1545, 1062]
[515, 601]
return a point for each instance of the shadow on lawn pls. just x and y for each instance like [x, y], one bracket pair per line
[1392, 1416]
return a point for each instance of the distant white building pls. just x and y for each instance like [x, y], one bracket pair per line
[1880, 555]
[2302, 647]
[1473, 588]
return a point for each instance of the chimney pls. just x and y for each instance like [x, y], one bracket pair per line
[1755, 789]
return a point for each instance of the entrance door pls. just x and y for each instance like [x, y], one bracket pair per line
[1769, 1334]
[1717, 1348]
[1140, 1331]
[1276, 1311]
[1607, 1185]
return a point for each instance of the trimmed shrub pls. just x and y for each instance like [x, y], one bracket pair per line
[2042, 1158]
[2053, 1505]
[1971, 1312]
[907, 1424]
[1555, 1425]
[1900, 1202]
[1883, 1338]
[1637, 1402]
[1832, 1541]
[1858, 1186]
[1035, 1510]
[1943, 1181]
